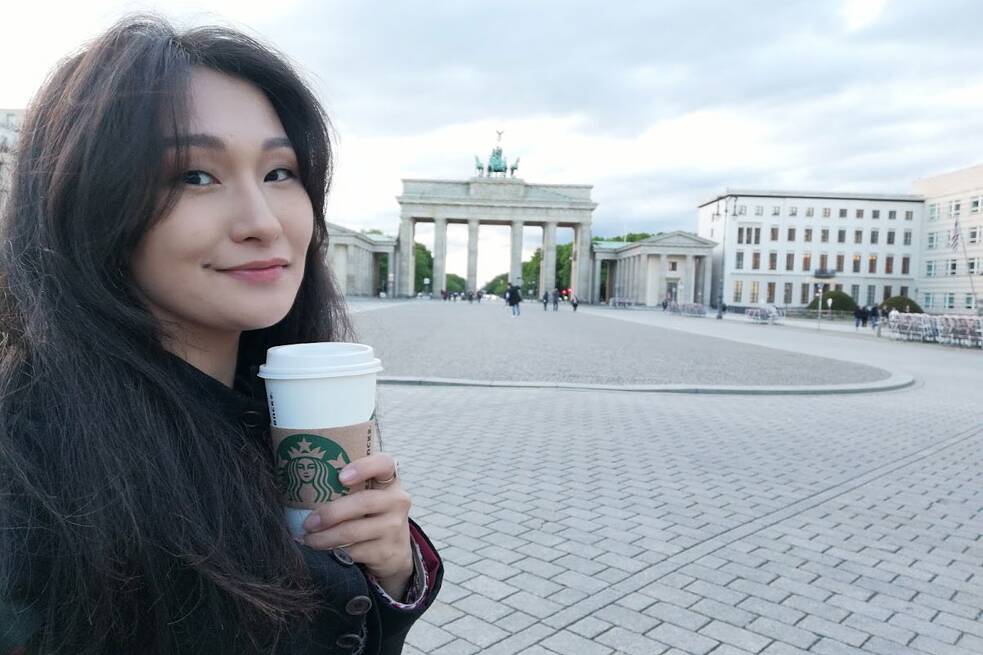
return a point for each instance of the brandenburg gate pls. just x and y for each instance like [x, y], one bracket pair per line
[493, 197]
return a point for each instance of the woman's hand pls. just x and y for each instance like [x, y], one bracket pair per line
[370, 524]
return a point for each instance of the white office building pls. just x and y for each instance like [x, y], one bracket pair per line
[771, 244]
[951, 268]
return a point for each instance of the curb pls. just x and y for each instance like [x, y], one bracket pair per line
[894, 382]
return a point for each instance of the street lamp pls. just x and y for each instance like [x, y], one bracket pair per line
[723, 259]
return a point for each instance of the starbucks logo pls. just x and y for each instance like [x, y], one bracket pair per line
[307, 468]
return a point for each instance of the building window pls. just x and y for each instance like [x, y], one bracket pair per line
[871, 294]
[892, 215]
[909, 215]
[972, 266]
[889, 265]
[791, 234]
[842, 213]
[856, 263]
[905, 265]
[838, 287]
[757, 235]
[858, 236]
[773, 261]
[776, 211]
[860, 213]
[808, 235]
[759, 210]
[872, 264]
[933, 211]
[839, 263]
[887, 291]
[807, 261]
[770, 293]
[790, 261]
[804, 293]
[824, 235]
[930, 268]
[907, 237]
[969, 304]
[890, 237]
[973, 235]
[974, 205]
[875, 213]
[742, 210]
[954, 208]
[903, 292]
[874, 235]
[738, 290]
[855, 292]
[774, 233]
[755, 261]
[827, 212]
[672, 266]
[793, 211]
[930, 240]
[810, 212]
[950, 300]
[950, 267]
[754, 292]
[740, 235]
[824, 261]
[739, 261]
[787, 299]
[841, 236]
[928, 300]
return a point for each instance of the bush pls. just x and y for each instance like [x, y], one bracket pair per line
[842, 302]
[901, 303]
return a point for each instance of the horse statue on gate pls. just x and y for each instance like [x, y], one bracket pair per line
[497, 163]
[514, 167]
[478, 166]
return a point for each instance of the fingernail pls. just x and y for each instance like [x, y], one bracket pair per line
[313, 522]
[347, 474]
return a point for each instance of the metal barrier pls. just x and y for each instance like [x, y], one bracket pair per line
[951, 330]
[765, 315]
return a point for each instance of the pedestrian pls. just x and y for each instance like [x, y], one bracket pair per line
[574, 301]
[864, 315]
[546, 300]
[857, 317]
[165, 226]
[514, 297]
[723, 307]
[875, 315]
[555, 299]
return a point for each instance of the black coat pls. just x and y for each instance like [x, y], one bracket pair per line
[356, 620]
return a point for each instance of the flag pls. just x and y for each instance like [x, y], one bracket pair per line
[954, 239]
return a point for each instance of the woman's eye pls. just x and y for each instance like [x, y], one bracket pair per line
[197, 178]
[279, 175]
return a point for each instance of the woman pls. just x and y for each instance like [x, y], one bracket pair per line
[165, 227]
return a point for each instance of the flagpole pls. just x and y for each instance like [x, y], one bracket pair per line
[972, 283]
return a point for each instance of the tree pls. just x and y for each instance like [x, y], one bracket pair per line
[902, 304]
[842, 302]
[424, 267]
[631, 237]
[564, 253]
[454, 283]
[497, 285]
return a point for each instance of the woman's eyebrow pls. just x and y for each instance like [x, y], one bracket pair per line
[212, 142]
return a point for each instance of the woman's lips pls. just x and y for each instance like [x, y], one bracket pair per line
[257, 275]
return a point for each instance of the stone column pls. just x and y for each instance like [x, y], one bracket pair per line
[515, 268]
[547, 272]
[439, 256]
[657, 291]
[630, 284]
[581, 271]
[707, 278]
[407, 267]
[595, 295]
[690, 279]
[472, 284]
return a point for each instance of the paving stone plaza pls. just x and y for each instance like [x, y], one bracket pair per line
[594, 520]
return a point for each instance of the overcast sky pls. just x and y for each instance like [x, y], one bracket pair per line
[657, 104]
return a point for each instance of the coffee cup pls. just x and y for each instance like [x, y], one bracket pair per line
[322, 414]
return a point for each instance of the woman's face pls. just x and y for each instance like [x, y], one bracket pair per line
[230, 254]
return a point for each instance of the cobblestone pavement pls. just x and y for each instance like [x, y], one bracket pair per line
[471, 341]
[575, 522]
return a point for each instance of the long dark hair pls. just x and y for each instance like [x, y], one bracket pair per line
[125, 505]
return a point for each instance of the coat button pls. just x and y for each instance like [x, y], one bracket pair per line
[342, 556]
[358, 605]
[351, 641]
[251, 419]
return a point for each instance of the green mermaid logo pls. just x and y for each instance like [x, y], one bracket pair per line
[307, 469]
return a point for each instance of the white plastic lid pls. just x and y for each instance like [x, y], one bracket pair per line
[318, 360]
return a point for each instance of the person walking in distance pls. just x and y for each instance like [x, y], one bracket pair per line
[513, 298]
[546, 300]
[555, 299]
[574, 301]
